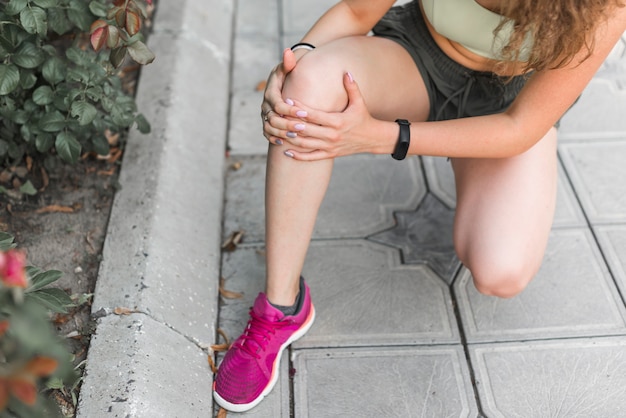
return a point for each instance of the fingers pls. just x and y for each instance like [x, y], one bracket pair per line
[315, 155]
[277, 127]
[352, 89]
[289, 60]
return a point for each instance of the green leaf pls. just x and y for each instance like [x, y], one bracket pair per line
[27, 80]
[61, 102]
[55, 383]
[43, 279]
[98, 9]
[94, 93]
[34, 20]
[58, 21]
[52, 122]
[142, 124]
[44, 142]
[121, 118]
[73, 94]
[79, 14]
[15, 6]
[140, 53]
[54, 70]
[75, 55]
[55, 300]
[28, 188]
[28, 55]
[6, 241]
[9, 78]
[20, 117]
[117, 56]
[84, 111]
[32, 271]
[81, 298]
[67, 147]
[6, 45]
[43, 95]
[26, 133]
[4, 147]
[46, 3]
[100, 145]
[16, 151]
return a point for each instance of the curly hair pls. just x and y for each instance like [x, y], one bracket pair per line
[559, 29]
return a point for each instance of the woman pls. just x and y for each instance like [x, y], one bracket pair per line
[483, 82]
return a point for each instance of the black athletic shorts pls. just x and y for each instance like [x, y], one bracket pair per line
[454, 90]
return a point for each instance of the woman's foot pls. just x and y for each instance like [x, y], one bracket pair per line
[249, 370]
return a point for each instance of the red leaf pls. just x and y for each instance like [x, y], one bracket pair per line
[120, 17]
[4, 326]
[41, 366]
[24, 390]
[4, 393]
[97, 24]
[133, 23]
[99, 38]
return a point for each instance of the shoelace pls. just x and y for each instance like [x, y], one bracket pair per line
[260, 331]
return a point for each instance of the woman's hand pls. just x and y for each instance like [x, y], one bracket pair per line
[273, 104]
[322, 135]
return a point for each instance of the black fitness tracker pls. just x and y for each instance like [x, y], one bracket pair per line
[404, 139]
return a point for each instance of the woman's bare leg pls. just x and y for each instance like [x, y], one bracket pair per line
[295, 189]
[505, 209]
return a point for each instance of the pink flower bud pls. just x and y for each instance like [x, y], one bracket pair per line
[12, 269]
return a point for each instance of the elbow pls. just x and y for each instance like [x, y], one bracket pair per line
[525, 137]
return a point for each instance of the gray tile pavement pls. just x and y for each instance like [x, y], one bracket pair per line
[400, 332]
[403, 333]
[383, 382]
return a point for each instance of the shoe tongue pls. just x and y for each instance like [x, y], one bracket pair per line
[265, 310]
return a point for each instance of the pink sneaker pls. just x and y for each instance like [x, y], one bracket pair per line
[249, 370]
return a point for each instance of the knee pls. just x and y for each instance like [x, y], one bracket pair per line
[317, 81]
[502, 277]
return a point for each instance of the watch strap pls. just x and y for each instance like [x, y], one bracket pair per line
[404, 139]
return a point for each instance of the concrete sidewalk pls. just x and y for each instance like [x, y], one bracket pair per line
[161, 257]
[410, 336]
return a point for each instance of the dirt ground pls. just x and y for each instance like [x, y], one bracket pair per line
[63, 228]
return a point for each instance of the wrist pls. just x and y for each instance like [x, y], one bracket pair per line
[384, 137]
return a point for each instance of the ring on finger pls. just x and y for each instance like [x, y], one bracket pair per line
[266, 115]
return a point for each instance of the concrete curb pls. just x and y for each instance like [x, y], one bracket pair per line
[158, 260]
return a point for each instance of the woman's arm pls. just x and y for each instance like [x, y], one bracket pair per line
[347, 18]
[544, 99]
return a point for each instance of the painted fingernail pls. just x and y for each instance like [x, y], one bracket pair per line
[301, 114]
[279, 142]
[350, 76]
[292, 134]
[300, 126]
[289, 154]
[289, 102]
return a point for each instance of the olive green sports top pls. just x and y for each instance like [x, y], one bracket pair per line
[472, 26]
